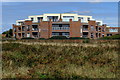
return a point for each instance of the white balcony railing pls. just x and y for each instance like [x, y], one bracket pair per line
[35, 36]
[85, 29]
[34, 29]
[85, 36]
[60, 28]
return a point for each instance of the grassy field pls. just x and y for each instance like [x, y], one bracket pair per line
[60, 60]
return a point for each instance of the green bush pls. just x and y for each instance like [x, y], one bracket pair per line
[117, 36]
[8, 33]
[27, 38]
[86, 41]
[78, 38]
[58, 37]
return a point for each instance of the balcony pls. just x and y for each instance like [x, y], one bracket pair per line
[61, 34]
[60, 28]
[23, 28]
[35, 36]
[85, 36]
[19, 34]
[85, 29]
[19, 29]
[23, 35]
[14, 29]
[34, 29]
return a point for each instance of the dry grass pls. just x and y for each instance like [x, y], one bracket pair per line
[60, 60]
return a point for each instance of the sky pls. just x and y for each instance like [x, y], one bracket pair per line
[105, 11]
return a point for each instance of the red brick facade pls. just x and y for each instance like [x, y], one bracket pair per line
[47, 29]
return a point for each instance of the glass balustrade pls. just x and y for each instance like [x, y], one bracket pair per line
[60, 28]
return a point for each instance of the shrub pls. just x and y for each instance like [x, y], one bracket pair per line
[86, 41]
[47, 61]
[117, 36]
[27, 38]
[10, 46]
[76, 77]
[58, 37]
[78, 38]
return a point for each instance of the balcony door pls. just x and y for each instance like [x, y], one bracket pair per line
[28, 34]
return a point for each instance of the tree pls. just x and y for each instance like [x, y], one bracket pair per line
[8, 33]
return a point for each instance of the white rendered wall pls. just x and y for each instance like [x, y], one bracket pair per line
[84, 20]
[45, 16]
[17, 22]
[99, 22]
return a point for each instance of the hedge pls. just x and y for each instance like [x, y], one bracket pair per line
[27, 38]
[58, 37]
[117, 36]
[78, 38]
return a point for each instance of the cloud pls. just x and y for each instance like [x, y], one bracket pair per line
[79, 12]
[96, 1]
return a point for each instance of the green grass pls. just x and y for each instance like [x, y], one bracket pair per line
[47, 61]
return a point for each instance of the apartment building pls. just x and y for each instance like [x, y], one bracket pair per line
[66, 24]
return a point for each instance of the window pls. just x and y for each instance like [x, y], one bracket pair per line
[92, 35]
[96, 34]
[60, 25]
[54, 18]
[28, 34]
[65, 25]
[20, 23]
[23, 34]
[113, 30]
[102, 35]
[14, 29]
[15, 35]
[99, 29]
[32, 19]
[68, 16]
[109, 34]
[88, 19]
[103, 30]
[55, 33]
[35, 27]
[19, 28]
[28, 28]
[66, 33]
[85, 27]
[39, 18]
[23, 28]
[92, 28]
[80, 17]
[96, 28]
[98, 23]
